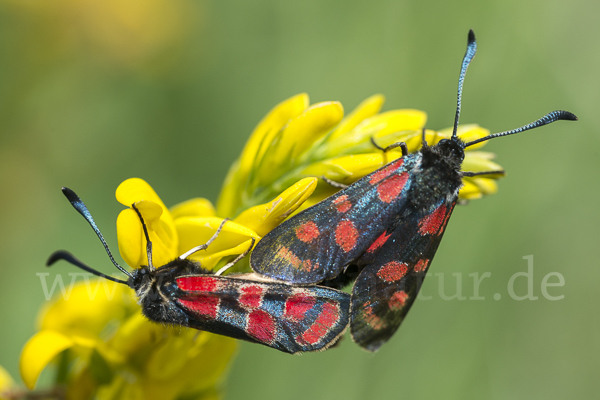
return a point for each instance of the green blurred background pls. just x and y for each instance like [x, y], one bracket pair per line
[94, 92]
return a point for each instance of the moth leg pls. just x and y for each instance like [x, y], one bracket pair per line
[391, 146]
[333, 183]
[470, 174]
[205, 245]
[238, 258]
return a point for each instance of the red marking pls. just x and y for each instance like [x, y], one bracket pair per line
[378, 242]
[342, 204]
[198, 283]
[251, 295]
[373, 320]
[307, 231]
[391, 188]
[346, 235]
[329, 316]
[297, 305]
[432, 223]
[421, 265]
[261, 326]
[288, 256]
[206, 306]
[392, 271]
[386, 171]
[398, 300]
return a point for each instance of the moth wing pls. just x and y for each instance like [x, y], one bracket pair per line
[318, 243]
[287, 318]
[392, 276]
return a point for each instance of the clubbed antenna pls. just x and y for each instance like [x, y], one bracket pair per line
[469, 54]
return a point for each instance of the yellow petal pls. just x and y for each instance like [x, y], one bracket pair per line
[6, 382]
[478, 161]
[297, 136]
[87, 307]
[348, 169]
[268, 128]
[466, 133]
[42, 348]
[194, 231]
[486, 186]
[133, 190]
[158, 220]
[366, 109]
[377, 126]
[198, 207]
[264, 217]
[469, 191]
[209, 260]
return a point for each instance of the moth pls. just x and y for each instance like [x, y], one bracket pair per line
[292, 319]
[385, 227]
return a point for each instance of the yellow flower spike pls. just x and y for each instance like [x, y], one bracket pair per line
[209, 261]
[47, 344]
[158, 219]
[367, 108]
[255, 148]
[194, 231]
[264, 217]
[297, 136]
[198, 207]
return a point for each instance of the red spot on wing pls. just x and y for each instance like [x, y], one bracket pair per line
[371, 319]
[327, 319]
[398, 300]
[421, 265]
[392, 271]
[207, 306]
[432, 223]
[290, 258]
[378, 242]
[198, 283]
[346, 235]
[392, 187]
[251, 295]
[261, 326]
[297, 306]
[342, 204]
[307, 231]
[386, 171]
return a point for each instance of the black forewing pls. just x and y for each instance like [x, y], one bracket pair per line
[319, 242]
[392, 275]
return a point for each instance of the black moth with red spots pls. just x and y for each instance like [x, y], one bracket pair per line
[293, 319]
[386, 227]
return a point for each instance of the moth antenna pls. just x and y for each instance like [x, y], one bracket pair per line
[205, 245]
[70, 258]
[78, 204]
[545, 120]
[423, 139]
[469, 54]
[148, 242]
[238, 258]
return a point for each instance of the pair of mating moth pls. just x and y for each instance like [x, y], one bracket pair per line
[382, 232]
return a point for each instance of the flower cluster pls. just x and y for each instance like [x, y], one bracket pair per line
[104, 347]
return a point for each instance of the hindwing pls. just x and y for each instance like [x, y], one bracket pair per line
[393, 271]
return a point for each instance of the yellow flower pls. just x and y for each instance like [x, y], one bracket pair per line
[296, 140]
